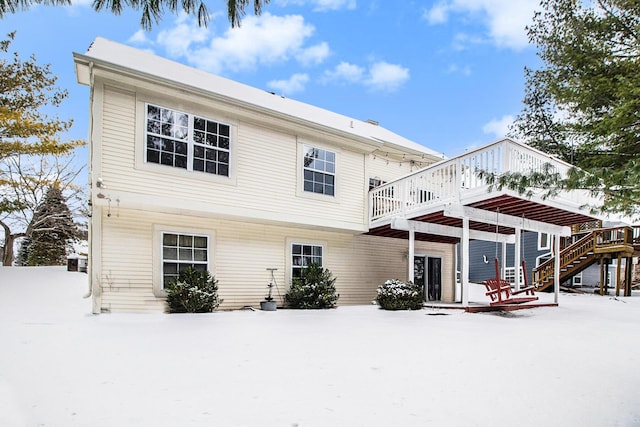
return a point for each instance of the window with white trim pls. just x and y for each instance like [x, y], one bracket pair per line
[181, 251]
[510, 275]
[577, 279]
[319, 171]
[302, 256]
[186, 141]
[544, 242]
[375, 182]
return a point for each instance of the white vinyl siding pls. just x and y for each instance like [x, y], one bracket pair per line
[243, 252]
[261, 195]
[263, 179]
[381, 170]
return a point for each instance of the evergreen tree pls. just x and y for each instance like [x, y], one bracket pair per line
[22, 258]
[582, 105]
[51, 231]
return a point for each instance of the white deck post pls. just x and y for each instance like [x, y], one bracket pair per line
[516, 258]
[464, 271]
[503, 263]
[411, 256]
[556, 268]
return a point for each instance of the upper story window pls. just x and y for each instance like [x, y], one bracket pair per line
[319, 170]
[186, 141]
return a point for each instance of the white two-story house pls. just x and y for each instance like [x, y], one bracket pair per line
[191, 169]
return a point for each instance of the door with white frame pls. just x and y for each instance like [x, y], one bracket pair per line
[428, 274]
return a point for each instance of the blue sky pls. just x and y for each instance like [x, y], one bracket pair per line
[447, 74]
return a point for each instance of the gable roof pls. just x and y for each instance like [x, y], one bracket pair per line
[119, 56]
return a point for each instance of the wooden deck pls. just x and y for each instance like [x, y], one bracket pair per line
[477, 307]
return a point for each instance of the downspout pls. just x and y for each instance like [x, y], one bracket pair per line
[90, 170]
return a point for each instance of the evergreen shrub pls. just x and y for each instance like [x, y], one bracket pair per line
[398, 295]
[193, 292]
[313, 289]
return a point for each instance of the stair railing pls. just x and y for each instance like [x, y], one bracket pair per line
[567, 256]
[601, 238]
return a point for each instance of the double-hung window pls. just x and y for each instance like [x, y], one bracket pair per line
[544, 242]
[186, 141]
[181, 251]
[302, 256]
[375, 182]
[319, 171]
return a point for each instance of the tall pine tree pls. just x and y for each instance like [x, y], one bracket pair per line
[583, 104]
[52, 229]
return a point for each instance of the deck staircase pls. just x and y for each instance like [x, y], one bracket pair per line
[592, 247]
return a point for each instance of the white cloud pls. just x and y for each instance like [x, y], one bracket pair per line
[139, 37]
[505, 19]
[314, 55]
[296, 83]
[261, 40]
[178, 40]
[386, 77]
[499, 127]
[321, 5]
[380, 76]
[345, 72]
[438, 14]
[265, 39]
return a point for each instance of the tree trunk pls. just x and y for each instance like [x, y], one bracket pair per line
[9, 240]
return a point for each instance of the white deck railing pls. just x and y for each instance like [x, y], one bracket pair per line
[445, 181]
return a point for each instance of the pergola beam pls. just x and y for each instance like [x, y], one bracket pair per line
[448, 231]
[496, 218]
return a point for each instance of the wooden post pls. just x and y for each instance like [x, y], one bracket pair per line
[618, 274]
[628, 276]
[602, 278]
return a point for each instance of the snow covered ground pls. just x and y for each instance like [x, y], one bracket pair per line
[574, 365]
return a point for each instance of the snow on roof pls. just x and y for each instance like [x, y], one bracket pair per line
[110, 52]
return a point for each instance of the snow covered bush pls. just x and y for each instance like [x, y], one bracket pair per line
[193, 292]
[398, 295]
[313, 289]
